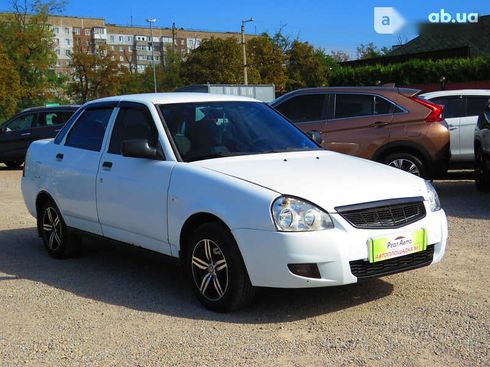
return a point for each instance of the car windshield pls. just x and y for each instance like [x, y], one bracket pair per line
[222, 129]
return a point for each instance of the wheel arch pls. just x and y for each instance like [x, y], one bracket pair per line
[41, 198]
[403, 147]
[193, 222]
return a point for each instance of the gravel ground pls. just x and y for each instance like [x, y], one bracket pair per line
[120, 306]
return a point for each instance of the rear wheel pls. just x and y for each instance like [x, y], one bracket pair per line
[57, 241]
[216, 269]
[14, 164]
[482, 171]
[406, 162]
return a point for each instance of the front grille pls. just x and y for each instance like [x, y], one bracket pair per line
[364, 269]
[385, 216]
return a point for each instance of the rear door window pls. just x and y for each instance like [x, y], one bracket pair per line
[89, 130]
[384, 107]
[304, 108]
[453, 106]
[475, 105]
[352, 105]
[53, 118]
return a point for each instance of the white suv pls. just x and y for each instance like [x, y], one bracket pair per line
[461, 111]
[241, 196]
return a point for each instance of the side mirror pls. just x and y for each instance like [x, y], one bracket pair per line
[138, 148]
[315, 136]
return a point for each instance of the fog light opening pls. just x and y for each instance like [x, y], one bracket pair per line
[305, 270]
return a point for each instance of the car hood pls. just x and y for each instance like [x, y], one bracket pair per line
[325, 178]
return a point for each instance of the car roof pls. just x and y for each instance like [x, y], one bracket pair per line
[351, 89]
[46, 108]
[465, 92]
[176, 97]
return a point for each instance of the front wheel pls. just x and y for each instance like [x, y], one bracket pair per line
[217, 272]
[406, 162]
[57, 241]
[482, 171]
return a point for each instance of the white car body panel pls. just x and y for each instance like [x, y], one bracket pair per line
[147, 202]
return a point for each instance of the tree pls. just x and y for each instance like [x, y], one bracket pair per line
[370, 50]
[266, 58]
[10, 90]
[305, 67]
[95, 74]
[339, 56]
[27, 40]
[216, 60]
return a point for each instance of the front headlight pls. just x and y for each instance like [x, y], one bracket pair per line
[295, 215]
[434, 202]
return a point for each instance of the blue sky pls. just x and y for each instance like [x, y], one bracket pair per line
[331, 24]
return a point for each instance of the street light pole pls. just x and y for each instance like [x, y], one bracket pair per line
[245, 75]
[153, 20]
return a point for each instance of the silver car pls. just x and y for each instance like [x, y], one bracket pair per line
[461, 111]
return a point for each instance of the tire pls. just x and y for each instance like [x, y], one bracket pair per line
[216, 270]
[406, 162]
[14, 164]
[482, 171]
[57, 241]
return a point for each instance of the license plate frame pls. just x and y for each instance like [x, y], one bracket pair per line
[396, 245]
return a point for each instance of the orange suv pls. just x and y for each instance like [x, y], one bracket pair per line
[386, 124]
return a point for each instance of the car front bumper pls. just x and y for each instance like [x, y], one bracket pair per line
[267, 254]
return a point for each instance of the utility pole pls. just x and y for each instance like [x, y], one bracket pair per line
[245, 75]
[151, 21]
[173, 38]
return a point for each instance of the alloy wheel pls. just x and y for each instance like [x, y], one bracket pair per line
[405, 165]
[52, 228]
[209, 270]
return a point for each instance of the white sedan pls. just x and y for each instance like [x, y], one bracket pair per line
[241, 196]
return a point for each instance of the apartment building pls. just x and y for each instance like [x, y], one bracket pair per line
[131, 46]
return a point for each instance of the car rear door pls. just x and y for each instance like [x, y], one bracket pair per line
[360, 124]
[76, 162]
[475, 105]
[132, 192]
[306, 111]
[16, 136]
[454, 110]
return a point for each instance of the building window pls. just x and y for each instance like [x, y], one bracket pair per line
[121, 58]
[67, 52]
[56, 30]
[67, 30]
[112, 48]
[121, 49]
[76, 31]
[67, 41]
[87, 31]
[57, 41]
[111, 38]
[130, 39]
[121, 38]
[57, 51]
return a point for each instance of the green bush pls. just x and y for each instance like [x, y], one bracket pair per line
[413, 72]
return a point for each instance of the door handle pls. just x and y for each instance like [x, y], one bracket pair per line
[59, 157]
[25, 134]
[379, 124]
[452, 128]
[57, 130]
[107, 165]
